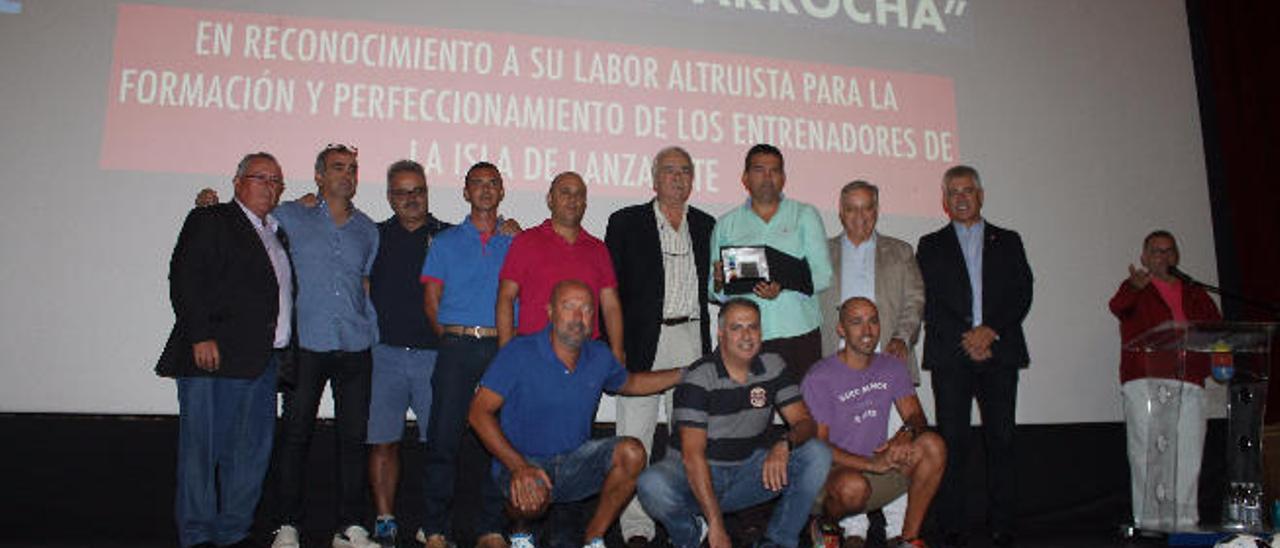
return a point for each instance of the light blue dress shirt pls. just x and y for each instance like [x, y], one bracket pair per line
[971, 245]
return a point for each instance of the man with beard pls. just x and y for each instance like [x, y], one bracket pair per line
[547, 386]
[405, 357]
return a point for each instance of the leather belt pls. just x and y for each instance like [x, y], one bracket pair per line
[471, 331]
[678, 321]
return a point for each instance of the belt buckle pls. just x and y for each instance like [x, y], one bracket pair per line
[474, 331]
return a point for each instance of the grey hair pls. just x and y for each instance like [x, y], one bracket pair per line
[859, 184]
[956, 172]
[673, 149]
[243, 166]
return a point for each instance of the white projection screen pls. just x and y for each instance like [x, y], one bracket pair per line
[1082, 117]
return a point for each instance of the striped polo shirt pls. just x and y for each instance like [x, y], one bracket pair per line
[735, 416]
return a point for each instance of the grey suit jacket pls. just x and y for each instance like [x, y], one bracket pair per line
[899, 297]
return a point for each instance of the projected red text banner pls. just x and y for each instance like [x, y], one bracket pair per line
[192, 90]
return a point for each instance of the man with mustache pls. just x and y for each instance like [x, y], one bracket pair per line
[547, 386]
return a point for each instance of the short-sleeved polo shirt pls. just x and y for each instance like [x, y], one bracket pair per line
[735, 416]
[466, 264]
[539, 259]
[548, 409]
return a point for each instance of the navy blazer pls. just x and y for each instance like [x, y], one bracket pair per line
[948, 310]
[632, 238]
[222, 287]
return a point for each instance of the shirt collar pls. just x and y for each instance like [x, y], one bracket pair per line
[545, 349]
[662, 217]
[757, 365]
[850, 245]
[270, 222]
[977, 227]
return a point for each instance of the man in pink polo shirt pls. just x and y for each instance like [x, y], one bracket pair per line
[558, 249]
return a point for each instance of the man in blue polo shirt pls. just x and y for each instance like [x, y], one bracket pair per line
[547, 386]
[405, 356]
[461, 281]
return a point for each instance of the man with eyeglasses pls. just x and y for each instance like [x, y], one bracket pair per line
[660, 252]
[405, 357]
[333, 246]
[1150, 296]
[231, 287]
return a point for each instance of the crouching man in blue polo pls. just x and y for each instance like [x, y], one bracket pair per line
[723, 458]
[547, 386]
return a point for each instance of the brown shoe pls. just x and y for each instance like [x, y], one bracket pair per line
[490, 540]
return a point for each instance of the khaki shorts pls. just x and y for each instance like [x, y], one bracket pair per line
[885, 488]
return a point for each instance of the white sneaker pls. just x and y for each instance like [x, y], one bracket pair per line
[595, 543]
[522, 540]
[354, 536]
[286, 537]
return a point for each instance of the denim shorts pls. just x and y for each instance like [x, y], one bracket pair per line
[575, 475]
[401, 381]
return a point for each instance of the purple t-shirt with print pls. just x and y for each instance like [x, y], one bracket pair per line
[855, 405]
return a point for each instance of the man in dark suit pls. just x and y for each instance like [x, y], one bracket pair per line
[661, 254]
[230, 282]
[977, 292]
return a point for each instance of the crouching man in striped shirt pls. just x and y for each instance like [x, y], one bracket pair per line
[723, 458]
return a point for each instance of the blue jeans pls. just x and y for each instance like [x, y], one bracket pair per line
[664, 492]
[224, 447]
[460, 363]
[575, 475]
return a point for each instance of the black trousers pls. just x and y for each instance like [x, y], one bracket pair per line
[955, 386]
[349, 377]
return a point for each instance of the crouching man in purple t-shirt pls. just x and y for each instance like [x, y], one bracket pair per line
[849, 394]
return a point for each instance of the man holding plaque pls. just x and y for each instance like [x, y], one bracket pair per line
[775, 252]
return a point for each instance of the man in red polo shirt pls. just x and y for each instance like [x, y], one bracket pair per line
[558, 249]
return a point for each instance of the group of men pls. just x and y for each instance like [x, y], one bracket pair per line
[484, 325]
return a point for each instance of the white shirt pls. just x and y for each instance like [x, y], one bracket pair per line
[280, 264]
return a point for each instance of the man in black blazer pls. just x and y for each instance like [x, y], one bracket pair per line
[977, 292]
[231, 286]
[661, 256]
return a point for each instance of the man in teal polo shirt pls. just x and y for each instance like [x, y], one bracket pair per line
[790, 319]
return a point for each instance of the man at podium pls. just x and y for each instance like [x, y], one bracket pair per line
[1151, 296]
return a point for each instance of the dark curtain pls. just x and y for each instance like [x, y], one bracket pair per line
[1237, 60]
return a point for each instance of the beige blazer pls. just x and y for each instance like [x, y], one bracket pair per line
[899, 297]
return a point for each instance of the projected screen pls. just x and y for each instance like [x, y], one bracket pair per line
[1085, 130]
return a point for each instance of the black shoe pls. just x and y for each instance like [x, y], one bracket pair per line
[637, 542]
[1002, 540]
